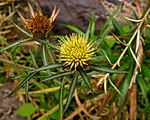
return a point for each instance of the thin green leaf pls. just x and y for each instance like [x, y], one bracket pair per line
[91, 27]
[48, 43]
[44, 58]
[143, 86]
[27, 92]
[11, 45]
[14, 44]
[61, 99]
[49, 67]
[126, 84]
[33, 58]
[117, 26]
[71, 27]
[86, 80]
[145, 70]
[51, 55]
[57, 76]
[106, 27]
[71, 90]
[21, 84]
[22, 30]
[108, 70]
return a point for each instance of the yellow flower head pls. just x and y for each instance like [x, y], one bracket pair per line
[76, 51]
[39, 24]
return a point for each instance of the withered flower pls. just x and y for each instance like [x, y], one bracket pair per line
[39, 25]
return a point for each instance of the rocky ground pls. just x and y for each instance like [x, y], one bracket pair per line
[8, 106]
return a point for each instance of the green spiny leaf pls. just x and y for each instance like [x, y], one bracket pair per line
[61, 99]
[86, 80]
[71, 90]
[14, 44]
[22, 83]
[108, 70]
[22, 30]
[143, 86]
[57, 76]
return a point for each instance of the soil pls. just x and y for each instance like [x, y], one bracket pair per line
[8, 105]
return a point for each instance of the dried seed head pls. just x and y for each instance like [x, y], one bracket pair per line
[39, 25]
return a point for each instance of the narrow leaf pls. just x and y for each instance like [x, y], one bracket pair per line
[57, 76]
[106, 27]
[108, 70]
[143, 86]
[71, 90]
[71, 27]
[145, 70]
[44, 57]
[49, 67]
[117, 26]
[14, 44]
[33, 58]
[21, 84]
[48, 44]
[11, 45]
[61, 99]
[91, 27]
[27, 92]
[126, 84]
[86, 80]
[22, 30]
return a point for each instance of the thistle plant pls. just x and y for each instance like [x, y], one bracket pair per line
[78, 59]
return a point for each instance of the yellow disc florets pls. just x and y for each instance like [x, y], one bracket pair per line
[76, 51]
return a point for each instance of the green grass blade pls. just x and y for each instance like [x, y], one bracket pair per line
[33, 58]
[71, 27]
[49, 67]
[48, 44]
[11, 45]
[44, 58]
[61, 99]
[106, 27]
[117, 26]
[86, 80]
[91, 27]
[57, 76]
[51, 55]
[21, 84]
[27, 92]
[108, 70]
[14, 44]
[71, 90]
[22, 30]
[126, 84]
[145, 70]
[143, 86]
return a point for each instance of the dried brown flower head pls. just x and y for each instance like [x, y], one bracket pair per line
[39, 25]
